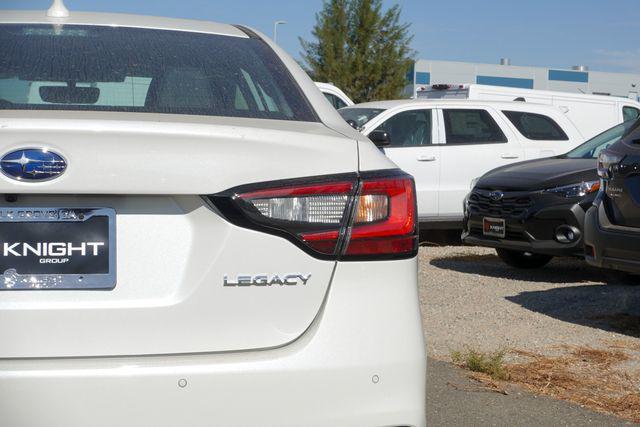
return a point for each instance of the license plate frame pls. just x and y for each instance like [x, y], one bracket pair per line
[494, 227]
[91, 222]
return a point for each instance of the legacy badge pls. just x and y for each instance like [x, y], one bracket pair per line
[267, 280]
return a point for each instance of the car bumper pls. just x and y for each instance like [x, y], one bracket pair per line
[608, 245]
[534, 231]
[361, 362]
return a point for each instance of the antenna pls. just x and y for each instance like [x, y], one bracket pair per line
[58, 10]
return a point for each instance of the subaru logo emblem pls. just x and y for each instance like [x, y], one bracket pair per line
[32, 164]
[496, 195]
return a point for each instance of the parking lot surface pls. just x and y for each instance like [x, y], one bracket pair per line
[455, 400]
[572, 331]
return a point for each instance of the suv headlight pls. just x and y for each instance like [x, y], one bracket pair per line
[580, 189]
[605, 161]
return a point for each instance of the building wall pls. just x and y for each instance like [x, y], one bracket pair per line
[432, 72]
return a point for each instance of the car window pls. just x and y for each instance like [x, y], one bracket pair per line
[335, 101]
[592, 148]
[467, 126]
[408, 128]
[536, 126]
[358, 117]
[630, 113]
[103, 68]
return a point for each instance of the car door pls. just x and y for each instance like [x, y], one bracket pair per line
[413, 136]
[476, 140]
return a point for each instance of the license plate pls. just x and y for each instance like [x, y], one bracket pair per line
[57, 248]
[494, 227]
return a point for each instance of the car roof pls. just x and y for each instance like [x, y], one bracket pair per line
[121, 20]
[511, 105]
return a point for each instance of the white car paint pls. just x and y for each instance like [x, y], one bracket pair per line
[344, 349]
[592, 114]
[331, 91]
[443, 172]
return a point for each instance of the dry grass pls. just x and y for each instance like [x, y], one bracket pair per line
[583, 375]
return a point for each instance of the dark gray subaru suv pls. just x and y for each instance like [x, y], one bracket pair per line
[532, 211]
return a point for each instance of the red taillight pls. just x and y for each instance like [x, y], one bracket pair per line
[397, 233]
[370, 216]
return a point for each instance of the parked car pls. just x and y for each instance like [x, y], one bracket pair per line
[612, 224]
[592, 114]
[335, 95]
[174, 224]
[445, 144]
[534, 210]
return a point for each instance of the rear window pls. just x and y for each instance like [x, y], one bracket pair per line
[358, 117]
[334, 100]
[537, 127]
[471, 127]
[44, 67]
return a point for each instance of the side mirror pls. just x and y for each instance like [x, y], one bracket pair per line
[380, 138]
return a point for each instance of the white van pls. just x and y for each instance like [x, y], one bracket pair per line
[592, 114]
[446, 144]
[334, 95]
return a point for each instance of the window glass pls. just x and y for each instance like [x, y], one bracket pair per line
[629, 113]
[102, 68]
[408, 128]
[335, 101]
[358, 117]
[536, 126]
[471, 127]
[592, 148]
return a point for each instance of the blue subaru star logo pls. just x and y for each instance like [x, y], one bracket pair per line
[33, 164]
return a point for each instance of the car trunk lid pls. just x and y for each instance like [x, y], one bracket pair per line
[173, 250]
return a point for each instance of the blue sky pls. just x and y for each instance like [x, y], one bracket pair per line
[602, 34]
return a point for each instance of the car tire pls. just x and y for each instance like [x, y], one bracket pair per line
[525, 260]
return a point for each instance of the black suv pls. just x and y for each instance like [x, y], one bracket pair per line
[612, 225]
[532, 211]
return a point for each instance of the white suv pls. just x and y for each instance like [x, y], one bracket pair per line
[446, 144]
[192, 236]
[334, 95]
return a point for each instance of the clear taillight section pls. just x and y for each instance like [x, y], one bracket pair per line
[371, 216]
[311, 209]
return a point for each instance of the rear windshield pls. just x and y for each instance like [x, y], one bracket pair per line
[592, 148]
[358, 117]
[45, 67]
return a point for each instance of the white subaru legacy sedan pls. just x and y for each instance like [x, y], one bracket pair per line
[191, 235]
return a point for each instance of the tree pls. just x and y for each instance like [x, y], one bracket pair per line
[360, 48]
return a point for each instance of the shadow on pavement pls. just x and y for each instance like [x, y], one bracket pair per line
[560, 270]
[614, 308]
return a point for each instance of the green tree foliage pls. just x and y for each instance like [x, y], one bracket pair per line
[361, 48]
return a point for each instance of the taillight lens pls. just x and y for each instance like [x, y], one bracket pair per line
[393, 234]
[371, 216]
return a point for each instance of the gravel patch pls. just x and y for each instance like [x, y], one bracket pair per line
[567, 330]
[470, 298]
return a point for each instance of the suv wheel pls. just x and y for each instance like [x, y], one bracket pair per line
[520, 259]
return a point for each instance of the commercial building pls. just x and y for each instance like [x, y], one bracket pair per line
[578, 79]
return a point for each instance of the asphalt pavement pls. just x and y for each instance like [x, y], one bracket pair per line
[455, 400]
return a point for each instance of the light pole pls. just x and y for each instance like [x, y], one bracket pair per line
[275, 29]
